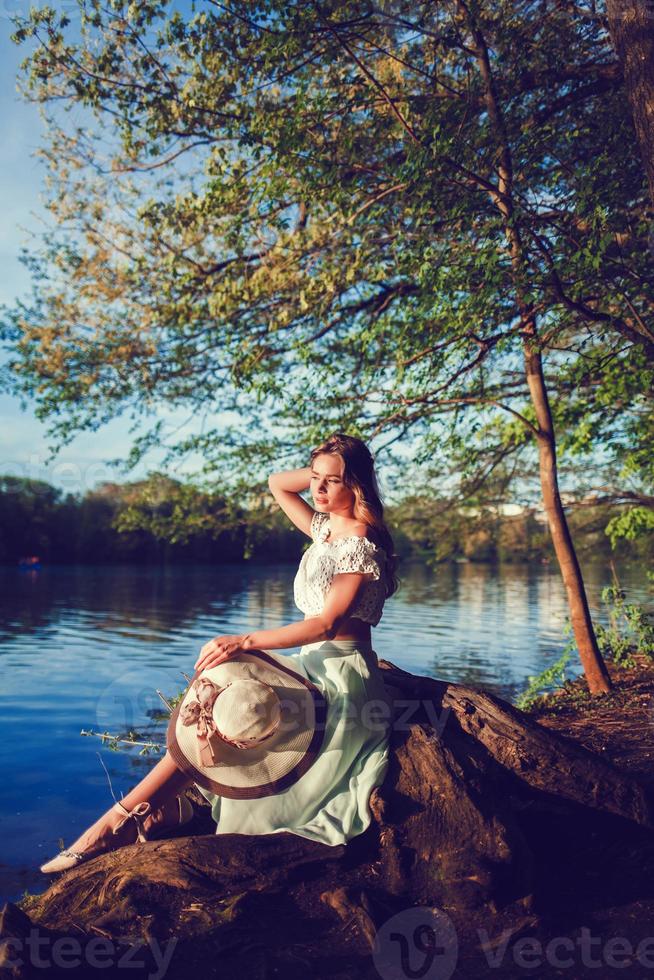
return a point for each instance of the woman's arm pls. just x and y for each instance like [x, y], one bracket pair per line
[340, 598]
[285, 488]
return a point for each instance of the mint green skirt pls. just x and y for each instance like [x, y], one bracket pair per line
[330, 802]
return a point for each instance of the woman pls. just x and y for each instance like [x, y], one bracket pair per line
[341, 585]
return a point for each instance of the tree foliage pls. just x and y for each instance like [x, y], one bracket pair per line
[287, 218]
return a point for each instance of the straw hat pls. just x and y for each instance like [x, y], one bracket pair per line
[249, 727]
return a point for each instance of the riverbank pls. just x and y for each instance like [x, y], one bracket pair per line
[619, 725]
[160, 520]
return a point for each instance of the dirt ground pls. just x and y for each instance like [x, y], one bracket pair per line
[619, 724]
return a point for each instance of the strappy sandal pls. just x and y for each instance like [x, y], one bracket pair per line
[68, 858]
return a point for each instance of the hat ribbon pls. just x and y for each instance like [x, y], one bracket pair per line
[200, 714]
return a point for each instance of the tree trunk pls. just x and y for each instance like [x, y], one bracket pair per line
[594, 667]
[631, 25]
[483, 813]
[502, 196]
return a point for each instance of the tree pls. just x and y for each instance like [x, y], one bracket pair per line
[401, 212]
[27, 508]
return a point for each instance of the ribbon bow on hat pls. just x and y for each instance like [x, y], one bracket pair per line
[255, 719]
[200, 713]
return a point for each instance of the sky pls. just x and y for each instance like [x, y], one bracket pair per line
[24, 445]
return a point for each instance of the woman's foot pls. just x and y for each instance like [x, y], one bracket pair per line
[118, 827]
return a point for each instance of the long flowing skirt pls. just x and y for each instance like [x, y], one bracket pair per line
[330, 802]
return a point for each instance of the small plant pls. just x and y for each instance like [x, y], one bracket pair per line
[550, 677]
[630, 629]
[147, 747]
[113, 742]
[27, 900]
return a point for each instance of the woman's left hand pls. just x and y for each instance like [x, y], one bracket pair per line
[218, 650]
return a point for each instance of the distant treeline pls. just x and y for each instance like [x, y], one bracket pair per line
[160, 520]
[441, 530]
[39, 519]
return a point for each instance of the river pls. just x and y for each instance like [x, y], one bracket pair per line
[85, 647]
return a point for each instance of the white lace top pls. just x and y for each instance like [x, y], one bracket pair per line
[324, 559]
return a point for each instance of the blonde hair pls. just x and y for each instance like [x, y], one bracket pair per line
[359, 475]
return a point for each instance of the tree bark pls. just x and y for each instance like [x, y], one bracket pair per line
[631, 25]
[483, 812]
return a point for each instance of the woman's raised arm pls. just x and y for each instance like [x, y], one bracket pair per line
[285, 488]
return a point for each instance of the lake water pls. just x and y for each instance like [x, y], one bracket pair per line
[85, 647]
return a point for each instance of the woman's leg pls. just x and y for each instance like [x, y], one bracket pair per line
[159, 788]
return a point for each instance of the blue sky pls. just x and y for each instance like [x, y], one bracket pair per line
[24, 447]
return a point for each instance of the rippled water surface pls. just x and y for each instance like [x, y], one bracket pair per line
[86, 647]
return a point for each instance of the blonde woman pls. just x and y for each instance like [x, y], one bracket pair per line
[341, 585]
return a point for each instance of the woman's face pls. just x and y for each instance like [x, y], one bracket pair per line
[327, 487]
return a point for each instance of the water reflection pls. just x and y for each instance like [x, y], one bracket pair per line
[86, 647]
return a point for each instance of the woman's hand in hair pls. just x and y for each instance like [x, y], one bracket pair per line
[218, 650]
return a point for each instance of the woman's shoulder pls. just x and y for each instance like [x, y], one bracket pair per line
[356, 542]
[364, 538]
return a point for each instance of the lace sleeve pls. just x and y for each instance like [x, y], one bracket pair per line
[317, 523]
[357, 555]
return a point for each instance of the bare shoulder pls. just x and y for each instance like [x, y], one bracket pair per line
[358, 530]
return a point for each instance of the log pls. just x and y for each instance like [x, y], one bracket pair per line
[460, 823]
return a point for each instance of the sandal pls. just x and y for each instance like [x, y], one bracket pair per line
[68, 858]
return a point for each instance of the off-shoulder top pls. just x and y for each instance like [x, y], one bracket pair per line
[323, 559]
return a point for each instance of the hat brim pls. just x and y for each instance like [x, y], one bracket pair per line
[279, 760]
